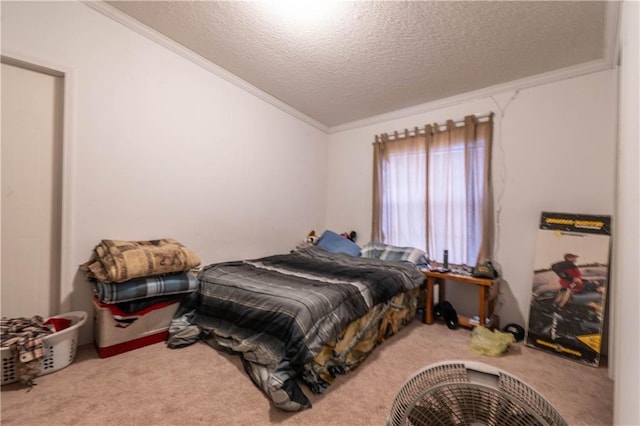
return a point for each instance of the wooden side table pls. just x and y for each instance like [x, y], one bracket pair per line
[487, 289]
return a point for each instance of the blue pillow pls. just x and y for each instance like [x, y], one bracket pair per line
[334, 243]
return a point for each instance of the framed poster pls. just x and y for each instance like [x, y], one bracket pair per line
[570, 281]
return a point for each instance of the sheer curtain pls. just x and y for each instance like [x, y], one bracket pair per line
[431, 190]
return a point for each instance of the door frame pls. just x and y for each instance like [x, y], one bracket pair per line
[67, 270]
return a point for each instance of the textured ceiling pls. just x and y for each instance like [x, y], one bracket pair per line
[370, 58]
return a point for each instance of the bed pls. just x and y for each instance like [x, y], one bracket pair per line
[305, 316]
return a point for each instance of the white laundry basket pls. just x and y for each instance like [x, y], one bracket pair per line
[59, 349]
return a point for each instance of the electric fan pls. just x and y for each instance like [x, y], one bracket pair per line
[469, 393]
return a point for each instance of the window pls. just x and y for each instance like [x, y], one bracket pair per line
[431, 190]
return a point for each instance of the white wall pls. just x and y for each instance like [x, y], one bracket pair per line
[554, 150]
[626, 298]
[159, 147]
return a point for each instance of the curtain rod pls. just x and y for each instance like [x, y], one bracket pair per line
[406, 133]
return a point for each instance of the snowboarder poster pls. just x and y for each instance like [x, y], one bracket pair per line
[570, 280]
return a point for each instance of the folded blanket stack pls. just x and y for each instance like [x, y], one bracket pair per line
[132, 278]
[116, 261]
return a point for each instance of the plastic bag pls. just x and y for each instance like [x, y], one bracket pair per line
[491, 343]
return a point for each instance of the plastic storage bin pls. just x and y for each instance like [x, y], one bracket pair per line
[59, 349]
[151, 327]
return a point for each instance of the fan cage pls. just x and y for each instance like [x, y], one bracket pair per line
[469, 393]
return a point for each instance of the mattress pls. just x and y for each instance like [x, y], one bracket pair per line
[279, 312]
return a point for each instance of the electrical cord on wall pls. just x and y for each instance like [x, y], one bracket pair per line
[503, 173]
[503, 179]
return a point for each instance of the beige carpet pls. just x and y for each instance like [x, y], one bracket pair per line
[199, 386]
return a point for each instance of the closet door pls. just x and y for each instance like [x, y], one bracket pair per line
[32, 105]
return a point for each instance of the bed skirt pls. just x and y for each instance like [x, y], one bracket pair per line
[359, 339]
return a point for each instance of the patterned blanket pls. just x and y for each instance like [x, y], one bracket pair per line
[140, 288]
[116, 261]
[279, 312]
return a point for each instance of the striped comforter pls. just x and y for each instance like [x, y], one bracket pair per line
[277, 312]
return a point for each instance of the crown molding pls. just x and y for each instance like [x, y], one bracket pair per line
[524, 83]
[611, 52]
[190, 55]
[610, 58]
